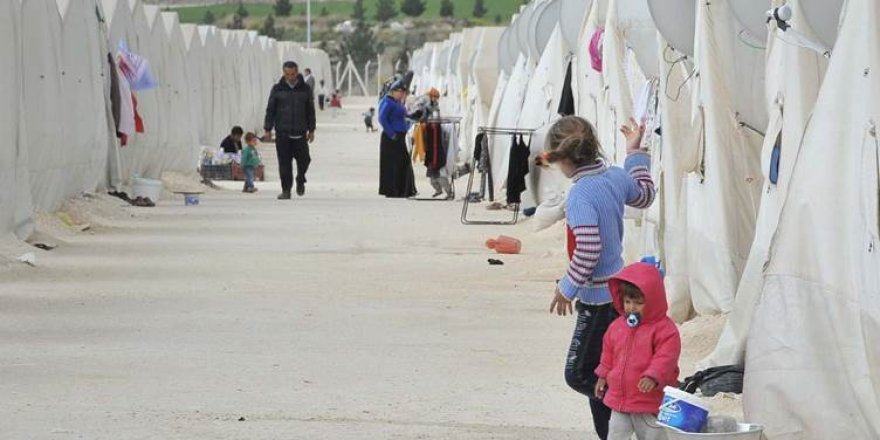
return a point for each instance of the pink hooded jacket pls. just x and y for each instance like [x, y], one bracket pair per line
[651, 349]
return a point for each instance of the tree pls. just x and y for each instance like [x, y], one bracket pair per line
[324, 12]
[498, 19]
[385, 10]
[479, 9]
[447, 9]
[360, 44]
[359, 14]
[283, 7]
[209, 17]
[413, 8]
[269, 27]
[237, 22]
[242, 11]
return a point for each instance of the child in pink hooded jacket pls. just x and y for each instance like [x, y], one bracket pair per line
[639, 354]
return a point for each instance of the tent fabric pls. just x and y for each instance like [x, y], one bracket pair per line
[723, 198]
[15, 199]
[794, 76]
[813, 359]
[56, 102]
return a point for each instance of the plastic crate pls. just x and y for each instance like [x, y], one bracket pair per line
[217, 172]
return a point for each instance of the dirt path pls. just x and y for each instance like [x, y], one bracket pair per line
[340, 315]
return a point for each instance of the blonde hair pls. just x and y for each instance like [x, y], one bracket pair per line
[572, 138]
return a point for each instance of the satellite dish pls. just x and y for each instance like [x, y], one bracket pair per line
[547, 22]
[823, 16]
[752, 15]
[534, 52]
[571, 19]
[522, 29]
[677, 22]
[640, 33]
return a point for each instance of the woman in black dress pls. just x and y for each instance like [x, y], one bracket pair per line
[396, 178]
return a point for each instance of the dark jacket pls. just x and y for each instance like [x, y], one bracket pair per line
[290, 110]
[230, 146]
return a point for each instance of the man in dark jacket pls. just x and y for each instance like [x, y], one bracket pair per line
[291, 112]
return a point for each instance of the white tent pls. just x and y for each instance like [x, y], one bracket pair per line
[15, 198]
[794, 75]
[51, 165]
[813, 360]
[183, 143]
[723, 196]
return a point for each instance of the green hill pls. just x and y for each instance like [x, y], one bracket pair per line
[343, 9]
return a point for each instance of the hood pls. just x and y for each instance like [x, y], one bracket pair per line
[650, 282]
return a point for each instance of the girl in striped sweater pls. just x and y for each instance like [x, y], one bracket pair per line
[594, 216]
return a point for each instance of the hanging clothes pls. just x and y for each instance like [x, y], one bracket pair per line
[138, 121]
[517, 170]
[418, 153]
[115, 96]
[435, 148]
[482, 164]
[566, 101]
[436, 157]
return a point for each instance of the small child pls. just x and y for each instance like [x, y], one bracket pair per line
[250, 160]
[640, 354]
[368, 119]
[335, 103]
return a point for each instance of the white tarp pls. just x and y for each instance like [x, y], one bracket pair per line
[51, 163]
[813, 360]
[541, 102]
[15, 199]
[722, 198]
[56, 111]
[794, 75]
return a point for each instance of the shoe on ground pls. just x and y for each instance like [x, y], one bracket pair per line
[284, 196]
[300, 189]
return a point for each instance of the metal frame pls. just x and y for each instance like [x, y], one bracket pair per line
[454, 120]
[464, 209]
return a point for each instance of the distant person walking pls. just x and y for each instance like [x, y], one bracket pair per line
[322, 94]
[291, 112]
[310, 80]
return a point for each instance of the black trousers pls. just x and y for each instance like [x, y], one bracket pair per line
[583, 358]
[289, 150]
[321, 102]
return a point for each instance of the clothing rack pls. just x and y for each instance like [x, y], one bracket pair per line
[488, 175]
[454, 120]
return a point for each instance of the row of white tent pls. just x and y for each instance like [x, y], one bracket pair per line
[55, 96]
[766, 157]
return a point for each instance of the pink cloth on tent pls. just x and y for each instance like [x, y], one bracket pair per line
[596, 49]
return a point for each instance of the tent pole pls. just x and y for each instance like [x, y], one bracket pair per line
[357, 76]
[378, 74]
[309, 24]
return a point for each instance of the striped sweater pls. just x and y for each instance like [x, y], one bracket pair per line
[594, 213]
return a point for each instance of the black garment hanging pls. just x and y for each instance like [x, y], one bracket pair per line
[566, 101]
[478, 147]
[517, 170]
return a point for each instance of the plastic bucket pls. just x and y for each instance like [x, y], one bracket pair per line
[744, 431]
[191, 199]
[149, 188]
[682, 411]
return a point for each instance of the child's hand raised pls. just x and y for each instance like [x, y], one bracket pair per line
[647, 384]
[633, 132]
[601, 386]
